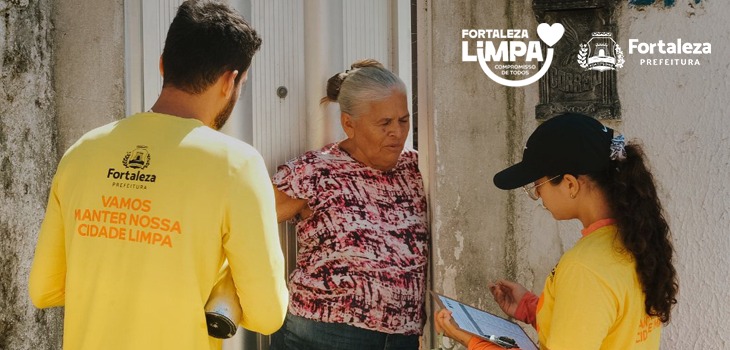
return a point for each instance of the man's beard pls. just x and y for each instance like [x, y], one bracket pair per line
[225, 113]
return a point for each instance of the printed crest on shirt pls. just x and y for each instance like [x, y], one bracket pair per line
[139, 158]
[132, 177]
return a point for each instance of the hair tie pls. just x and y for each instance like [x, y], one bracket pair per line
[618, 148]
[344, 76]
[341, 76]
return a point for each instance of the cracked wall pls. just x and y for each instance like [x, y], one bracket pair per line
[27, 124]
[61, 74]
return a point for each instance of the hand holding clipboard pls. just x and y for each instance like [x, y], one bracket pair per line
[485, 325]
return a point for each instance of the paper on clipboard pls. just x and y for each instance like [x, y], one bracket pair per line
[483, 324]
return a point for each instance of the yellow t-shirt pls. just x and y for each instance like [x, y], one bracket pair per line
[141, 215]
[593, 298]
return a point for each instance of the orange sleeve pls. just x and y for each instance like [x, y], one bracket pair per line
[476, 343]
[527, 309]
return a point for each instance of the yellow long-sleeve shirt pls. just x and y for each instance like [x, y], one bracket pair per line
[593, 299]
[141, 215]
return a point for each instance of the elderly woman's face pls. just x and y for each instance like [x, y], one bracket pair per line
[377, 137]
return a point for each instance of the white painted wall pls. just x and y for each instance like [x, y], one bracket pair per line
[479, 127]
[681, 114]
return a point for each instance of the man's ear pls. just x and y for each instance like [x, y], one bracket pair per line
[347, 124]
[229, 83]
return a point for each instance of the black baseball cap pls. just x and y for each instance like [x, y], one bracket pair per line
[569, 143]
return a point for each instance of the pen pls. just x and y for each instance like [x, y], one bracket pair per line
[505, 342]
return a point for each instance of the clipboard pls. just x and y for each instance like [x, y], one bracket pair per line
[482, 324]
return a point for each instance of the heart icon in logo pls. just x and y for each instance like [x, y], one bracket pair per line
[550, 34]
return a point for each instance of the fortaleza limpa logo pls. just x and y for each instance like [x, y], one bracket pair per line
[509, 53]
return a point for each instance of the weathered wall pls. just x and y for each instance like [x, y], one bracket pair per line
[470, 122]
[27, 124]
[681, 114]
[89, 66]
[481, 233]
[62, 74]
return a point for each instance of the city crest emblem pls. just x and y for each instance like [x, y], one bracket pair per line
[139, 158]
[600, 53]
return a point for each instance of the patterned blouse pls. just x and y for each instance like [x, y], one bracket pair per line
[363, 252]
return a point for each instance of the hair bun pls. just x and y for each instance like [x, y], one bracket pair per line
[368, 62]
[333, 87]
[335, 82]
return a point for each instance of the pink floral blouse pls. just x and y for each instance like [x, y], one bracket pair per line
[363, 252]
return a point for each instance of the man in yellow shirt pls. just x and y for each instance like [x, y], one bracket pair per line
[143, 212]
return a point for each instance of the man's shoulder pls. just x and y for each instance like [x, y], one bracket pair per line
[92, 135]
[196, 136]
[229, 146]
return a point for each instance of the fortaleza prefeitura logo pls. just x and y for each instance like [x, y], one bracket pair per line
[508, 56]
[601, 52]
[669, 53]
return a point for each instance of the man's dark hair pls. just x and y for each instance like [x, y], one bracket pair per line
[205, 40]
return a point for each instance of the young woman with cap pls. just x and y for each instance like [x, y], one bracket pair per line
[616, 287]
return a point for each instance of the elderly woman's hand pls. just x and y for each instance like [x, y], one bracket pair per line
[288, 207]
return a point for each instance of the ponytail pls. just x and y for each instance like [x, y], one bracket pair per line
[643, 230]
[366, 81]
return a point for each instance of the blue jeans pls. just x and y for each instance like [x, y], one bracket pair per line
[299, 333]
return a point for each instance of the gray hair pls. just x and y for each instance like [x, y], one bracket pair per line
[367, 81]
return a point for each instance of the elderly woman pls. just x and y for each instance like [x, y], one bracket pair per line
[360, 214]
